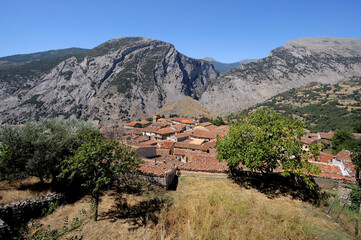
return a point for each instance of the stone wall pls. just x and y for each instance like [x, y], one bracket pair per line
[164, 180]
[17, 213]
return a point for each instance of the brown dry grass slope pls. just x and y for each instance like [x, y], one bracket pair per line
[186, 107]
[201, 208]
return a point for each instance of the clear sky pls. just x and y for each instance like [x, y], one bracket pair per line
[227, 30]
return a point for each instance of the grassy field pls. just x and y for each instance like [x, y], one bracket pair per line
[200, 208]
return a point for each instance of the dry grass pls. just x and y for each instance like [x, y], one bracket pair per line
[220, 209]
[202, 208]
[113, 222]
[21, 190]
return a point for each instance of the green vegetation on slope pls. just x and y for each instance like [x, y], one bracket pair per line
[13, 60]
[323, 107]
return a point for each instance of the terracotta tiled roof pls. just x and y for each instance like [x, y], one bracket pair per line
[186, 145]
[166, 144]
[144, 122]
[197, 141]
[205, 124]
[182, 135]
[325, 157]
[209, 145]
[137, 131]
[179, 127]
[141, 139]
[165, 131]
[151, 142]
[186, 121]
[211, 127]
[326, 135]
[132, 124]
[142, 145]
[313, 135]
[308, 141]
[200, 133]
[151, 129]
[177, 119]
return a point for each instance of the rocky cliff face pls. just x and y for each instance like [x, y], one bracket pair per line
[297, 63]
[122, 79]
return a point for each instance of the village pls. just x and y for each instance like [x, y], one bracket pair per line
[179, 146]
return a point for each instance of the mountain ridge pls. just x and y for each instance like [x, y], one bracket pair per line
[224, 67]
[135, 77]
[286, 67]
[116, 81]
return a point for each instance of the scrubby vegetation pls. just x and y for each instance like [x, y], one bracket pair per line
[323, 107]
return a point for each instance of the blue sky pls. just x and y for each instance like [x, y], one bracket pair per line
[227, 30]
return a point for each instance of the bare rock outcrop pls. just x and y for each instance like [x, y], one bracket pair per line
[122, 79]
[297, 63]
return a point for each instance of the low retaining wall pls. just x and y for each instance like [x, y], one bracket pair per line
[164, 180]
[14, 214]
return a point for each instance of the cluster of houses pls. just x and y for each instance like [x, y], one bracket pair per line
[336, 167]
[170, 145]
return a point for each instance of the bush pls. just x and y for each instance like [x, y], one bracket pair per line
[355, 198]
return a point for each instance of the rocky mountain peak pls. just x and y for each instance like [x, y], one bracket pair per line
[297, 63]
[119, 80]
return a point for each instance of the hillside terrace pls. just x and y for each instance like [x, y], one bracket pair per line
[179, 144]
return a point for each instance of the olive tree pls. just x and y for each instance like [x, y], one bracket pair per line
[99, 162]
[264, 141]
[37, 148]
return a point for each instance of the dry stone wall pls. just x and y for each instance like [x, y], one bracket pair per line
[14, 214]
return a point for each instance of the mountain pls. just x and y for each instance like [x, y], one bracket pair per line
[122, 79]
[224, 67]
[297, 63]
[129, 78]
[323, 107]
[186, 107]
[21, 59]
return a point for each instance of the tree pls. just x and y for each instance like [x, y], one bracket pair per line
[265, 141]
[218, 121]
[99, 162]
[5, 155]
[37, 148]
[342, 139]
[356, 159]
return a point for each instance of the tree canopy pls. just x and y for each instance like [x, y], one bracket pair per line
[98, 162]
[37, 148]
[264, 141]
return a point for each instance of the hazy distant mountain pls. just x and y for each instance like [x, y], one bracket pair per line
[20, 59]
[122, 79]
[297, 63]
[224, 67]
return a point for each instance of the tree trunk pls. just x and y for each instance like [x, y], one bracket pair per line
[96, 205]
[357, 176]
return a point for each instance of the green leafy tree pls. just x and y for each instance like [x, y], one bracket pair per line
[5, 155]
[218, 121]
[356, 159]
[37, 148]
[98, 163]
[265, 141]
[342, 139]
